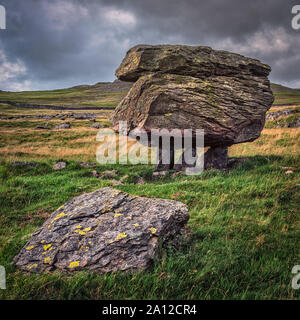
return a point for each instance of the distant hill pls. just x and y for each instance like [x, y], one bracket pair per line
[109, 94]
[101, 95]
[285, 95]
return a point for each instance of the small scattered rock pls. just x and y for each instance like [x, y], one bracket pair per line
[289, 172]
[280, 113]
[42, 128]
[83, 116]
[86, 164]
[159, 174]
[294, 124]
[59, 165]
[66, 125]
[140, 180]
[136, 180]
[124, 178]
[108, 174]
[287, 168]
[97, 125]
[24, 164]
[95, 174]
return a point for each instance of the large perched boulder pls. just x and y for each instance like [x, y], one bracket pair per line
[230, 110]
[185, 87]
[105, 230]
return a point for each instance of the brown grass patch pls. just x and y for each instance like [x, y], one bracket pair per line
[279, 141]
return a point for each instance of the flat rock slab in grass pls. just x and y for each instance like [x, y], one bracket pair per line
[97, 125]
[86, 164]
[108, 174]
[66, 125]
[59, 165]
[24, 164]
[105, 230]
[42, 128]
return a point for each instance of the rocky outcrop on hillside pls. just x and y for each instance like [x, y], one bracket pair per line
[280, 113]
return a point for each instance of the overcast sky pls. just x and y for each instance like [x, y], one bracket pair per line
[52, 44]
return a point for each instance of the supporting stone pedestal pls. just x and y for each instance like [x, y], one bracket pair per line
[216, 158]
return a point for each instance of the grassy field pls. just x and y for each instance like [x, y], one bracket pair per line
[99, 95]
[108, 95]
[244, 225]
[285, 95]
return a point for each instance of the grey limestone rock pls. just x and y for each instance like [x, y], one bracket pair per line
[105, 230]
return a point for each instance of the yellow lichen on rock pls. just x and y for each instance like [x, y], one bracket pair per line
[74, 264]
[121, 236]
[60, 215]
[153, 230]
[60, 207]
[47, 260]
[82, 233]
[30, 247]
[118, 215]
[47, 246]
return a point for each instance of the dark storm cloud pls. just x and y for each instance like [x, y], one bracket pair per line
[60, 43]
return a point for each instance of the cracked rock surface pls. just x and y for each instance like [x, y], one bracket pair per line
[105, 230]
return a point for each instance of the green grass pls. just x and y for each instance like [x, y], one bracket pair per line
[74, 97]
[285, 95]
[244, 232]
[244, 225]
[282, 121]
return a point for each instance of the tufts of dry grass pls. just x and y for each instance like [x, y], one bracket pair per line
[20, 140]
[272, 141]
